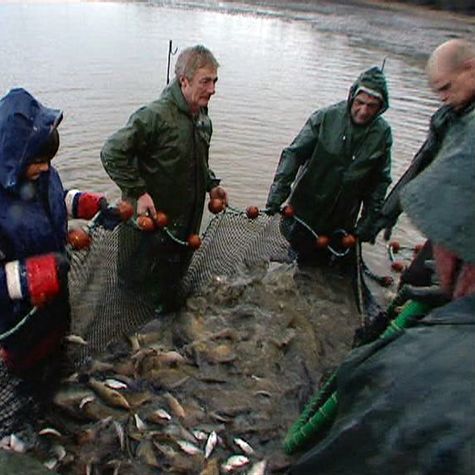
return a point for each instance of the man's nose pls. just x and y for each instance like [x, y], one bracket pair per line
[364, 109]
[211, 88]
[44, 167]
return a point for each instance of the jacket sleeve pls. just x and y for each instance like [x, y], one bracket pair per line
[292, 158]
[373, 202]
[422, 159]
[120, 154]
[212, 180]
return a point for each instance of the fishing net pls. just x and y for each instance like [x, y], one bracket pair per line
[104, 309]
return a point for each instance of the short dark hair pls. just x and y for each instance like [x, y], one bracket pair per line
[50, 147]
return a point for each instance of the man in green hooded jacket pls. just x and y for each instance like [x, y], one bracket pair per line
[340, 160]
[159, 160]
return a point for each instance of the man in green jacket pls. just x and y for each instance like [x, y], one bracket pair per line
[159, 160]
[340, 160]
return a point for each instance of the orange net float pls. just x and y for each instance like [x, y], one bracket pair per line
[322, 242]
[398, 266]
[145, 223]
[79, 239]
[194, 241]
[126, 210]
[252, 212]
[161, 220]
[348, 241]
[216, 205]
[288, 211]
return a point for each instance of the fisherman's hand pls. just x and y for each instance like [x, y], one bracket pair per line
[38, 279]
[220, 193]
[146, 206]
[383, 222]
[366, 232]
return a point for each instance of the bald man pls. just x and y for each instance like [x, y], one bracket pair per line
[451, 74]
[441, 200]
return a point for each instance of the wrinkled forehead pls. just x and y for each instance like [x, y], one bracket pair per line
[364, 97]
[206, 72]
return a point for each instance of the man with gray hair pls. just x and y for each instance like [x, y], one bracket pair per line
[159, 160]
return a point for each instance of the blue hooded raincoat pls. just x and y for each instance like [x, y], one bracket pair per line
[33, 221]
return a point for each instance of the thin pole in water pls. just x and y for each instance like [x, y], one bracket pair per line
[170, 53]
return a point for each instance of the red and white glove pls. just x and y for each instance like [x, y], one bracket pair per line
[36, 278]
[83, 205]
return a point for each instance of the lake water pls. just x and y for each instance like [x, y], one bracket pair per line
[100, 61]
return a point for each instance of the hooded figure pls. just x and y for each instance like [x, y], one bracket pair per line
[33, 223]
[34, 211]
[340, 160]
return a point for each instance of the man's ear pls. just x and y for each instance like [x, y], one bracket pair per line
[469, 64]
[182, 80]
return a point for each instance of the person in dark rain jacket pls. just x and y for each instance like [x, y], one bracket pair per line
[159, 160]
[340, 160]
[34, 211]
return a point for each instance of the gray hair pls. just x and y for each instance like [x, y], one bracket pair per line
[193, 58]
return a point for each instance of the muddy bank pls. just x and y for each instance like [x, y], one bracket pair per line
[412, 31]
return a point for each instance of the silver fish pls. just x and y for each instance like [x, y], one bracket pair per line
[211, 444]
[110, 396]
[200, 435]
[159, 415]
[76, 339]
[234, 462]
[50, 431]
[140, 424]
[244, 446]
[188, 447]
[13, 443]
[115, 384]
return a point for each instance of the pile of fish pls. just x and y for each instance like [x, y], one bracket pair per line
[209, 390]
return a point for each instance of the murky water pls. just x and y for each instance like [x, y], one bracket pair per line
[100, 61]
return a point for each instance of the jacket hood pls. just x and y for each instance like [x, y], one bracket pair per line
[371, 81]
[25, 124]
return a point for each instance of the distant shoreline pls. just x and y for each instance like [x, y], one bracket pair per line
[460, 7]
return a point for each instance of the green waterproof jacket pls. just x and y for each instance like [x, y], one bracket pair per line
[441, 200]
[439, 123]
[334, 165]
[163, 150]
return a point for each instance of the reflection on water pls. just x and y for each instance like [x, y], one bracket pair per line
[101, 61]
